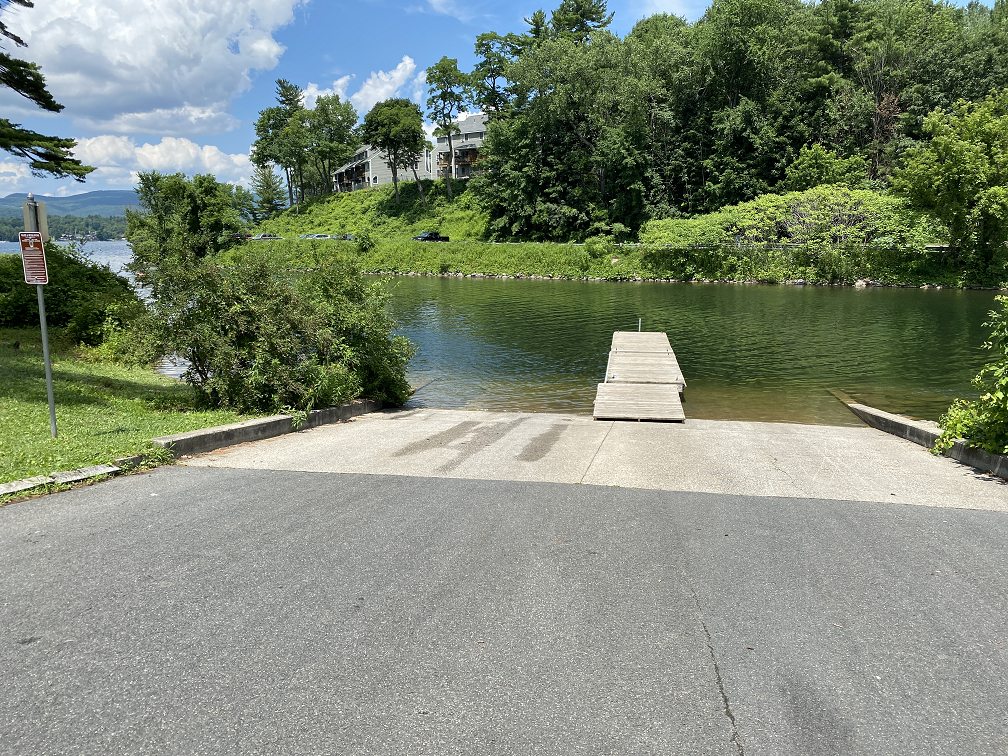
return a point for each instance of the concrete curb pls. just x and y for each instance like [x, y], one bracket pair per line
[925, 433]
[70, 476]
[209, 439]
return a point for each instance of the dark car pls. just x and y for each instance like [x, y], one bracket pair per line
[430, 236]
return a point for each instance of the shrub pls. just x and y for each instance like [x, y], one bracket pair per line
[80, 297]
[259, 338]
[823, 216]
[983, 422]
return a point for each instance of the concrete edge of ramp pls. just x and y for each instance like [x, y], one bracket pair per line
[209, 439]
[926, 433]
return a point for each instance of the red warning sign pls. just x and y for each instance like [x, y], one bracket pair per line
[33, 258]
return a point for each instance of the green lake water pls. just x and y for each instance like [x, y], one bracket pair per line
[748, 352]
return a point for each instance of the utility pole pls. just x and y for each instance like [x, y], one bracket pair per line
[37, 272]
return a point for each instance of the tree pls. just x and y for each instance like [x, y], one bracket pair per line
[44, 154]
[331, 133]
[961, 177]
[268, 189]
[578, 19]
[447, 86]
[488, 81]
[307, 144]
[394, 127]
[180, 219]
[816, 166]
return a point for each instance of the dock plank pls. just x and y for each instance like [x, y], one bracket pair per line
[644, 367]
[637, 341]
[638, 401]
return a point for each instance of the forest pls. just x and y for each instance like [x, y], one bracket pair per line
[591, 133]
[899, 104]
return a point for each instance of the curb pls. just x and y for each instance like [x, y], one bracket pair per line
[925, 433]
[209, 439]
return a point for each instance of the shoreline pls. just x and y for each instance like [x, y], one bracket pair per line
[859, 284]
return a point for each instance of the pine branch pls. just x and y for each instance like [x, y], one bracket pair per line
[44, 154]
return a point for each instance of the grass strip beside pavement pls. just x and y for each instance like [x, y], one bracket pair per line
[102, 411]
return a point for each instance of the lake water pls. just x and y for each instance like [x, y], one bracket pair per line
[115, 254]
[748, 352]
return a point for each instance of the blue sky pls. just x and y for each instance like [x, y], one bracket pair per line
[175, 85]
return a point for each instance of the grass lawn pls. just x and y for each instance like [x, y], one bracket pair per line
[102, 411]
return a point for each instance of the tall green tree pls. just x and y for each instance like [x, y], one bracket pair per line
[44, 154]
[394, 127]
[447, 86]
[579, 19]
[333, 140]
[180, 219]
[269, 191]
[960, 175]
[488, 81]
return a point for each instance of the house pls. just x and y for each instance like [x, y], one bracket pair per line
[466, 145]
[367, 168]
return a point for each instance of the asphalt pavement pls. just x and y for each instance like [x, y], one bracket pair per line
[223, 611]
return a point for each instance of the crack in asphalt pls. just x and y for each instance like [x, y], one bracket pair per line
[717, 676]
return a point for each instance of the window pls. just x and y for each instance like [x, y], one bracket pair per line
[442, 140]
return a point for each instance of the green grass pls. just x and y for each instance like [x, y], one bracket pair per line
[703, 248]
[375, 210]
[102, 411]
[605, 261]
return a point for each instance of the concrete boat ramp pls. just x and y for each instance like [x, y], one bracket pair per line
[710, 456]
[642, 380]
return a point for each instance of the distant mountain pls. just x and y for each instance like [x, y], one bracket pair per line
[107, 202]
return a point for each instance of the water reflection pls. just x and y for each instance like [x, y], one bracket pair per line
[748, 352]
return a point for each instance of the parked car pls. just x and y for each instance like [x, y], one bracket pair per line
[265, 237]
[344, 237]
[430, 236]
[319, 236]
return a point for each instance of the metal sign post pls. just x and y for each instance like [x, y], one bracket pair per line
[36, 272]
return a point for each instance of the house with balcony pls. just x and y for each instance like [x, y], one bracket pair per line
[367, 168]
[466, 146]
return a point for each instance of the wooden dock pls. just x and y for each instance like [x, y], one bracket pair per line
[642, 381]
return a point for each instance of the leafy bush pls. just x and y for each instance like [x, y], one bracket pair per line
[80, 297]
[983, 422]
[833, 216]
[816, 166]
[259, 338]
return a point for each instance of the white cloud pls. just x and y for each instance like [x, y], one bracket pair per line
[312, 91]
[380, 86]
[341, 84]
[13, 176]
[119, 159]
[463, 12]
[143, 66]
[420, 88]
